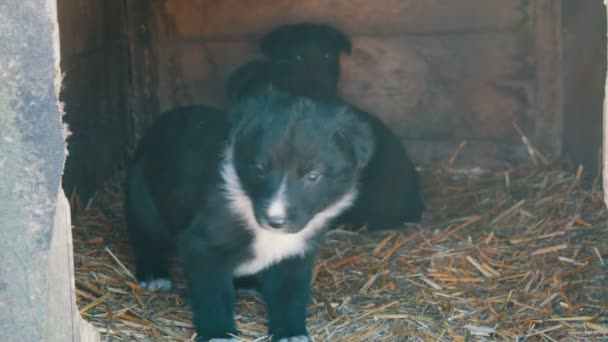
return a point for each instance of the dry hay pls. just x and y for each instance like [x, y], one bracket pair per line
[511, 255]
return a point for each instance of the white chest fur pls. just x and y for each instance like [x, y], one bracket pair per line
[268, 246]
[271, 247]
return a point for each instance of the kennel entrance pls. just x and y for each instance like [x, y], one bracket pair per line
[437, 73]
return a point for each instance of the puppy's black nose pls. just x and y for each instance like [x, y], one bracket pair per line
[277, 221]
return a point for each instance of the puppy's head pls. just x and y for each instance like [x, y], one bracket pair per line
[307, 56]
[296, 162]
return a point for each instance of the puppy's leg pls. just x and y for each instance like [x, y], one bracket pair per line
[149, 238]
[211, 290]
[286, 290]
[151, 263]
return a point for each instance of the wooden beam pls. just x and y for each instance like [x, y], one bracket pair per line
[549, 86]
[64, 322]
[141, 33]
[37, 295]
[605, 133]
[226, 19]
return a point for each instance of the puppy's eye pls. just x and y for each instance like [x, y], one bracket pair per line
[312, 177]
[259, 170]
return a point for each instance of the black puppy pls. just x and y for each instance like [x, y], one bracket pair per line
[390, 186]
[261, 200]
[306, 57]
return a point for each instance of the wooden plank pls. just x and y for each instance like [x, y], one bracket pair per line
[96, 95]
[605, 132]
[238, 18]
[87, 26]
[94, 53]
[438, 86]
[64, 323]
[142, 32]
[549, 75]
[433, 86]
[32, 153]
[191, 73]
[584, 68]
[477, 153]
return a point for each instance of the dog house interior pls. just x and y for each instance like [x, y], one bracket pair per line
[499, 103]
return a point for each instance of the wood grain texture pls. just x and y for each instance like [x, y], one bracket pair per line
[96, 94]
[605, 133]
[477, 153]
[64, 322]
[94, 53]
[142, 31]
[88, 26]
[439, 87]
[584, 65]
[32, 154]
[238, 18]
[432, 70]
[549, 75]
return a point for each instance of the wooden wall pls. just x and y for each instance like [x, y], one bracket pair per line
[37, 297]
[438, 72]
[584, 65]
[94, 60]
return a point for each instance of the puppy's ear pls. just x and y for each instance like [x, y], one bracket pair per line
[357, 134]
[275, 45]
[340, 40]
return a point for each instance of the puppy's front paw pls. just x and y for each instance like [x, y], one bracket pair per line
[157, 285]
[300, 338]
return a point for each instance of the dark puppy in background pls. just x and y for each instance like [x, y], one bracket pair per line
[304, 59]
[260, 194]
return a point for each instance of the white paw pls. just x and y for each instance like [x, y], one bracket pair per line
[157, 285]
[301, 338]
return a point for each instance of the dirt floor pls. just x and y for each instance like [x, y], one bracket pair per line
[508, 255]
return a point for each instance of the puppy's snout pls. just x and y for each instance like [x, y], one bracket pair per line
[277, 221]
[277, 213]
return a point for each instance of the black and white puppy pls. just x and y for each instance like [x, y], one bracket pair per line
[262, 200]
[390, 186]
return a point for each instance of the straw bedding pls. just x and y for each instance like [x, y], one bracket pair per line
[516, 254]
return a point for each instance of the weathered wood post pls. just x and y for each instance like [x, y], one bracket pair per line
[37, 301]
[605, 132]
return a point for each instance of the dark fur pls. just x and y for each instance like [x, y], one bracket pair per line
[248, 78]
[306, 57]
[391, 192]
[171, 171]
[177, 193]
